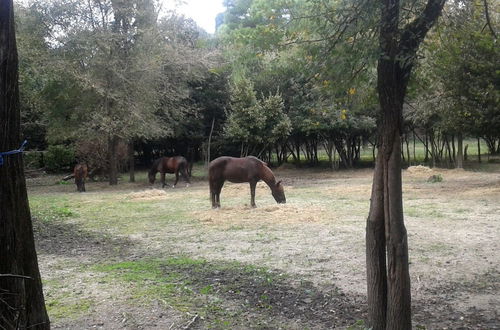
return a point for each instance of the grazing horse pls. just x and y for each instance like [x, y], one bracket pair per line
[80, 172]
[248, 169]
[169, 165]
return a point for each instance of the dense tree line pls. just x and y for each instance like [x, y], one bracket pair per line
[282, 80]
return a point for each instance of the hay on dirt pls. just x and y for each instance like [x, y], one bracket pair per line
[150, 194]
[280, 213]
[420, 169]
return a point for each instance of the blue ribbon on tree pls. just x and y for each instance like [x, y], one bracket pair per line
[13, 152]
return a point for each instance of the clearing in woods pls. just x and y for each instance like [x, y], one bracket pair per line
[132, 257]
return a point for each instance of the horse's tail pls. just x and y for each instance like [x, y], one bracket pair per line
[190, 168]
[184, 168]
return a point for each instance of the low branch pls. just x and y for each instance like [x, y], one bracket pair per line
[16, 276]
[488, 20]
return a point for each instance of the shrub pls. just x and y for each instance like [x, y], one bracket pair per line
[59, 158]
[33, 159]
[435, 178]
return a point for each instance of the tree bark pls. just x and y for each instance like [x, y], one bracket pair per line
[479, 149]
[113, 160]
[22, 303]
[131, 161]
[210, 141]
[460, 155]
[388, 285]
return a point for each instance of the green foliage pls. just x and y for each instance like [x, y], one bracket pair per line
[33, 159]
[435, 178]
[256, 122]
[456, 89]
[59, 158]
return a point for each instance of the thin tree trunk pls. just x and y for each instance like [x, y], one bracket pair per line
[210, 140]
[414, 149]
[22, 304]
[479, 149]
[131, 161]
[460, 156]
[113, 161]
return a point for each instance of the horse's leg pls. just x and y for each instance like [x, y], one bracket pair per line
[185, 175]
[213, 194]
[176, 178]
[162, 179]
[83, 185]
[253, 184]
[217, 190]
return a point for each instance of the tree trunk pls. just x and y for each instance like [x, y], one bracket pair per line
[22, 303]
[210, 141]
[113, 161]
[479, 149]
[460, 156]
[131, 161]
[389, 295]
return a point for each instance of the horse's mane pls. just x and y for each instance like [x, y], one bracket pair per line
[261, 161]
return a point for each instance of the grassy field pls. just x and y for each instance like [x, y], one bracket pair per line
[138, 257]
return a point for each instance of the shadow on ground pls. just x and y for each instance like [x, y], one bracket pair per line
[257, 297]
[69, 240]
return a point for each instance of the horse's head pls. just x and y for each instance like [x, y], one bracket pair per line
[279, 193]
[151, 177]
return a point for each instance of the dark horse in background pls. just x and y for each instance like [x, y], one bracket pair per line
[248, 169]
[80, 171]
[176, 164]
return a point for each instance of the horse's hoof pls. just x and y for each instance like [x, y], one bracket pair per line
[187, 185]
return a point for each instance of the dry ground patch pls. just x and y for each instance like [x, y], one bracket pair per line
[135, 257]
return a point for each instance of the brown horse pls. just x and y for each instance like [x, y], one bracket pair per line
[248, 169]
[177, 164]
[80, 172]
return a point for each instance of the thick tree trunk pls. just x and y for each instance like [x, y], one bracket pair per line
[389, 295]
[22, 303]
[375, 251]
[113, 161]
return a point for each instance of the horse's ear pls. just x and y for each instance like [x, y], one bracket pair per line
[278, 183]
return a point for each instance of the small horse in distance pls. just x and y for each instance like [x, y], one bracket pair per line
[176, 164]
[80, 171]
[238, 170]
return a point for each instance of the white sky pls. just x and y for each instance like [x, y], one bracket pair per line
[203, 12]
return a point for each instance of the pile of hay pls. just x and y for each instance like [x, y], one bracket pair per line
[420, 169]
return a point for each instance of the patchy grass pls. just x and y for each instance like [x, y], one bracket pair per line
[141, 257]
[223, 293]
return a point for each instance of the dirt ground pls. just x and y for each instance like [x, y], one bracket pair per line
[312, 247]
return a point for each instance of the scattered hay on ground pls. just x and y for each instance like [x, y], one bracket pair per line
[150, 194]
[280, 213]
[348, 190]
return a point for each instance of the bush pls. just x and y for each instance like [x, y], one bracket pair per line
[33, 159]
[435, 178]
[59, 158]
